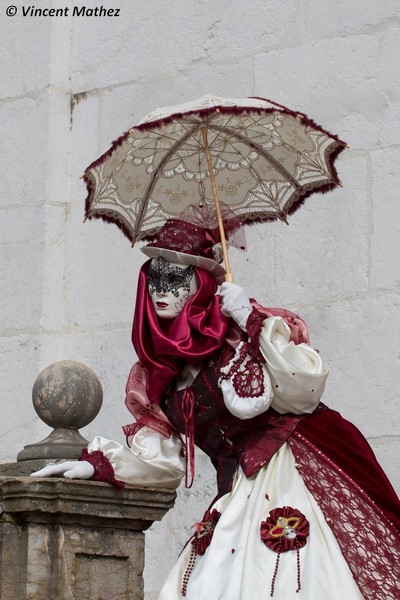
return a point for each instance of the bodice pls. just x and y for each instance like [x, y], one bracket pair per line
[226, 439]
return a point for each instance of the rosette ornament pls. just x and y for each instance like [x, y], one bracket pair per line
[285, 529]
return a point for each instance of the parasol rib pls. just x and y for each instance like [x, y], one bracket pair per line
[278, 166]
[153, 181]
[228, 276]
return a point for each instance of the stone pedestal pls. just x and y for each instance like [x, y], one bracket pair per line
[74, 540]
[63, 539]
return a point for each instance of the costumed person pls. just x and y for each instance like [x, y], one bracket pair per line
[303, 509]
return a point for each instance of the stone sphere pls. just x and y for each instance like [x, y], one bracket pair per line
[67, 394]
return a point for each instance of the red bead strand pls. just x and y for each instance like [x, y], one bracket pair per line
[298, 569]
[189, 569]
[275, 573]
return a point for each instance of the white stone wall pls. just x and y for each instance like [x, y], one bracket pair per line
[70, 85]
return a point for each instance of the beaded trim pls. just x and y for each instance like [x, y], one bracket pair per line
[200, 542]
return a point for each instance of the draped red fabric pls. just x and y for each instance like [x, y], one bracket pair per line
[163, 346]
[345, 445]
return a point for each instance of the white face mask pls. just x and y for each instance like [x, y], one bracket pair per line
[170, 286]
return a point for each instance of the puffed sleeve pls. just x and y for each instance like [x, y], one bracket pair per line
[296, 371]
[153, 460]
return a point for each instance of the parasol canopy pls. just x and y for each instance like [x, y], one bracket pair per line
[213, 162]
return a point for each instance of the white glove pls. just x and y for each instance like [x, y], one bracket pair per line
[235, 303]
[73, 469]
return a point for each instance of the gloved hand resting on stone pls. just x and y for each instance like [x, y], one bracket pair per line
[72, 469]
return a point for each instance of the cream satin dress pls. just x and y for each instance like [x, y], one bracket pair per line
[237, 565]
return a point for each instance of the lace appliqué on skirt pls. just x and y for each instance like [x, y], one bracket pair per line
[368, 541]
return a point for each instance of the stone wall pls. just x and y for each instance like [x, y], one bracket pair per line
[72, 84]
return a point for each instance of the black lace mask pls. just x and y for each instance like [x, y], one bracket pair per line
[164, 277]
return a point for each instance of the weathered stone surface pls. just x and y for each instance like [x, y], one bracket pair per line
[74, 540]
[61, 443]
[71, 539]
[66, 395]
[59, 500]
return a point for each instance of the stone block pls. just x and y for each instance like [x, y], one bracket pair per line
[24, 150]
[155, 46]
[358, 340]
[20, 267]
[385, 272]
[58, 152]
[239, 28]
[102, 273]
[63, 539]
[159, 47]
[60, 40]
[53, 259]
[326, 19]
[323, 253]
[344, 85]
[26, 71]
[231, 79]
[84, 140]
[254, 269]
[23, 357]
[386, 451]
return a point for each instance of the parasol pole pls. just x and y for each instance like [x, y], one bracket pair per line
[228, 275]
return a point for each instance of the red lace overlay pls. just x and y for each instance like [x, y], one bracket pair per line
[254, 323]
[246, 374]
[103, 470]
[249, 381]
[368, 540]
